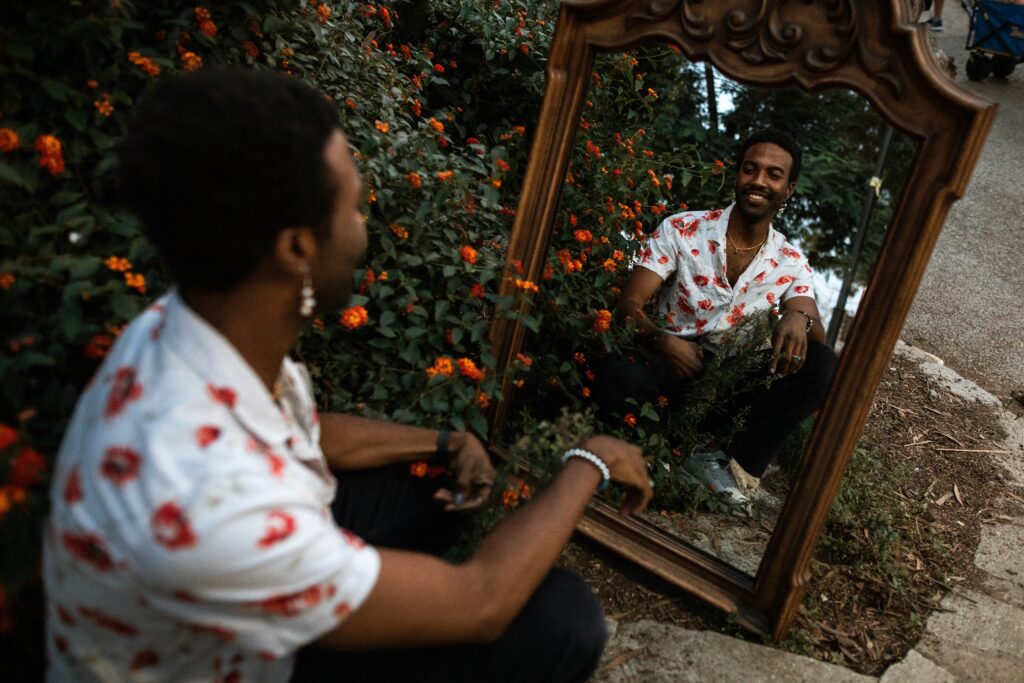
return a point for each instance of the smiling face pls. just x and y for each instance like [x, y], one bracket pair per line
[762, 182]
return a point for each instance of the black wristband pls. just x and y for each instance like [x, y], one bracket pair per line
[444, 438]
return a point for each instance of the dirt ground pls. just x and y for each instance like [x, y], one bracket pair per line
[935, 471]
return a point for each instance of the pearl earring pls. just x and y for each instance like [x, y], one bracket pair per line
[308, 298]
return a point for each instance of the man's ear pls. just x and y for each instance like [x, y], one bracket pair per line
[792, 188]
[294, 251]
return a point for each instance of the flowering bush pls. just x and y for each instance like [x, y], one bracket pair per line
[437, 150]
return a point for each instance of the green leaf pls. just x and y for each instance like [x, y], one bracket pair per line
[13, 175]
[57, 90]
[78, 119]
[124, 306]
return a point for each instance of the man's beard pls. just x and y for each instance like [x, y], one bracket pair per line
[754, 214]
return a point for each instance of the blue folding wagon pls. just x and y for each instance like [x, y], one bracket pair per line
[996, 38]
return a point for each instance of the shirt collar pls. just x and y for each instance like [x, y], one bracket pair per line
[229, 379]
[772, 245]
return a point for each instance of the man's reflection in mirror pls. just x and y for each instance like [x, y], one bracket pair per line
[710, 270]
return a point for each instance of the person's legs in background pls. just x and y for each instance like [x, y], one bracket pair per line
[935, 22]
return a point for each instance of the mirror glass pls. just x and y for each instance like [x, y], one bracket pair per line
[651, 180]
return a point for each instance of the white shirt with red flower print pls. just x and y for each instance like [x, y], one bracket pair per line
[191, 537]
[688, 251]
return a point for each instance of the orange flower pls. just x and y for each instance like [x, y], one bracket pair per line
[445, 176]
[439, 68]
[92, 83]
[526, 285]
[9, 497]
[436, 125]
[144, 63]
[469, 369]
[496, 182]
[353, 317]
[118, 264]
[525, 491]
[524, 48]
[579, 358]
[468, 254]
[50, 153]
[503, 165]
[6, 281]
[103, 105]
[586, 392]
[519, 130]
[381, 126]
[350, 103]
[190, 61]
[663, 401]
[610, 265]
[8, 436]
[477, 291]
[654, 178]
[400, 232]
[136, 281]
[509, 497]
[602, 320]
[250, 48]
[418, 469]
[618, 255]
[323, 13]
[482, 400]
[442, 366]
[630, 420]
[9, 140]
[414, 179]
[582, 236]
[26, 468]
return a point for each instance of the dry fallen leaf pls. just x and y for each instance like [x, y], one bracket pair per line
[943, 498]
[956, 492]
[619, 660]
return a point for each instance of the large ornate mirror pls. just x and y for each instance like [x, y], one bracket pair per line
[888, 143]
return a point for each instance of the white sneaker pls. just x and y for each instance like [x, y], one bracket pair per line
[711, 469]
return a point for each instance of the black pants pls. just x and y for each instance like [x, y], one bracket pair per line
[773, 411]
[558, 636]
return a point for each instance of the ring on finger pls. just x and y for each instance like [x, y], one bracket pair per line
[797, 358]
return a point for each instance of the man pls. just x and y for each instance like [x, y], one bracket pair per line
[713, 270]
[191, 536]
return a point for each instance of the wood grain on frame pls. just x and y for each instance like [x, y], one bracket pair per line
[870, 46]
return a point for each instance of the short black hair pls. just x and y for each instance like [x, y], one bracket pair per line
[217, 162]
[776, 137]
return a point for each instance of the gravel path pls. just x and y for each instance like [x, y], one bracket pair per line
[969, 310]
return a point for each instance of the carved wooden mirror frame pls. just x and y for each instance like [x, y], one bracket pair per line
[869, 46]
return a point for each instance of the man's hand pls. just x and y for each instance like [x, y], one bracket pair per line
[684, 358]
[626, 464]
[789, 344]
[473, 472]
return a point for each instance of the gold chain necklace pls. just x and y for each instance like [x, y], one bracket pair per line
[737, 250]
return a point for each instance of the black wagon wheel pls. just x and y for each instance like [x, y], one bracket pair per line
[1003, 66]
[978, 67]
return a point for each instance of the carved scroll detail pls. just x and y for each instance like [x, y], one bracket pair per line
[760, 36]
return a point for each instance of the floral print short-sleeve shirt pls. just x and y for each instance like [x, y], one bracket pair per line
[191, 537]
[688, 251]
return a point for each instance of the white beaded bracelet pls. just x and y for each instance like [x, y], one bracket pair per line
[593, 460]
